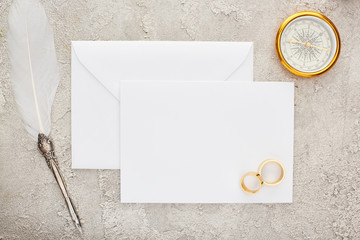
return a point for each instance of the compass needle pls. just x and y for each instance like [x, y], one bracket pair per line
[326, 49]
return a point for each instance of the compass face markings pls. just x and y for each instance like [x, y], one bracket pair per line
[308, 44]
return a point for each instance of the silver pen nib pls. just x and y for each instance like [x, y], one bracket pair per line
[46, 147]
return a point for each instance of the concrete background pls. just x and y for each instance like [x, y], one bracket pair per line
[327, 130]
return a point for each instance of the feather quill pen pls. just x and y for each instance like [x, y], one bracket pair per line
[35, 78]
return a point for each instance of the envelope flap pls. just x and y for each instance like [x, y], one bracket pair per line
[113, 61]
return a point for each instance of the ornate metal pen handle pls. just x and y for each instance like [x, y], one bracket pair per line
[46, 147]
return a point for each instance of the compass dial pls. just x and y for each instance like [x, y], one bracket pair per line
[309, 44]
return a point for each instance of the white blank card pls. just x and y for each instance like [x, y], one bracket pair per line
[191, 142]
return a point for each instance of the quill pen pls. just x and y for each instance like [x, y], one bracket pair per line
[35, 78]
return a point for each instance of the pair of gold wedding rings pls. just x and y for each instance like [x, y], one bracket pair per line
[259, 177]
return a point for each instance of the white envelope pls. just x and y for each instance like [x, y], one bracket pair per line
[98, 67]
[191, 142]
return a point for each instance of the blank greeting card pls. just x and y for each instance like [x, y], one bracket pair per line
[191, 142]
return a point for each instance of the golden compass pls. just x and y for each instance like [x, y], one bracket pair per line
[308, 44]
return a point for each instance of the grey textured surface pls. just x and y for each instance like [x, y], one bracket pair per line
[327, 130]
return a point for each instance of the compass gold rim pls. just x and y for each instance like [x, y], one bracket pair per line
[286, 64]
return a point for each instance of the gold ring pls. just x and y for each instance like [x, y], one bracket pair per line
[247, 190]
[282, 175]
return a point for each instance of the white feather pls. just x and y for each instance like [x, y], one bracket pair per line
[34, 73]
